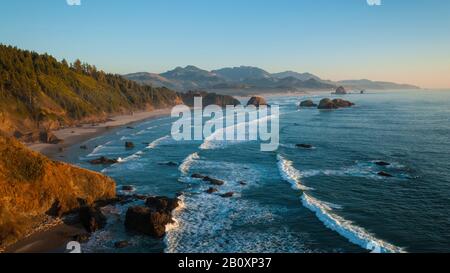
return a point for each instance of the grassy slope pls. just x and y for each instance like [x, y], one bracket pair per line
[30, 185]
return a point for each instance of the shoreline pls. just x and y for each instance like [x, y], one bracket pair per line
[53, 238]
[76, 135]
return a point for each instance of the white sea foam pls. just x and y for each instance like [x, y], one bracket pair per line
[187, 163]
[98, 150]
[218, 138]
[355, 234]
[159, 141]
[290, 174]
[207, 222]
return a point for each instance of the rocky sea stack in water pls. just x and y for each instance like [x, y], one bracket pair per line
[341, 91]
[33, 187]
[308, 103]
[257, 101]
[329, 104]
[152, 218]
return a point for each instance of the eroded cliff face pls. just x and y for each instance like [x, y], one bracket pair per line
[33, 186]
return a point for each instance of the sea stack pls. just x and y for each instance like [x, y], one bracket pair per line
[257, 101]
[328, 104]
[341, 91]
[308, 103]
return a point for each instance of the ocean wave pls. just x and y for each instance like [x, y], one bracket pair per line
[159, 141]
[355, 234]
[218, 138]
[290, 174]
[207, 223]
[184, 167]
[360, 169]
[98, 150]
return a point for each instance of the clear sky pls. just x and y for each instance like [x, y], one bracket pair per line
[401, 40]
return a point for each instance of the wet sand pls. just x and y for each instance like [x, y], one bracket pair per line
[77, 135]
[53, 239]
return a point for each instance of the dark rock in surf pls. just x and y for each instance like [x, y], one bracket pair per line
[385, 174]
[162, 203]
[340, 103]
[341, 91]
[308, 103]
[127, 188]
[103, 161]
[328, 104]
[152, 219]
[197, 176]
[92, 218]
[211, 190]
[227, 195]
[257, 101]
[147, 221]
[213, 181]
[129, 145]
[304, 146]
[242, 183]
[382, 163]
[84, 147]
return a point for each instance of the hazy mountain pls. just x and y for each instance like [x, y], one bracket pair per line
[376, 85]
[247, 79]
[242, 73]
[300, 76]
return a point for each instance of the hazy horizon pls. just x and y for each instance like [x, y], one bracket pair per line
[399, 41]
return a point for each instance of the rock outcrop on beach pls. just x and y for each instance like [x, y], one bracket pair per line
[308, 103]
[153, 218]
[257, 101]
[32, 187]
[92, 218]
[328, 104]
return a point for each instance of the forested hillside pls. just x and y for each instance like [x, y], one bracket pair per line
[39, 93]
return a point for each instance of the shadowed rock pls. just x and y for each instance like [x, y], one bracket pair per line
[92, 218]
[308, 103]
[227, 195]
[257, 101]
[304, 146]
[129, 145]
[382, 163]
[341, 90]
[385, 174]
[211, 190]
[213, 181]
[103, 161]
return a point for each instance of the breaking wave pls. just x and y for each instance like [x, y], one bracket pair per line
[355, 234]
[184, 167]
[290, 174]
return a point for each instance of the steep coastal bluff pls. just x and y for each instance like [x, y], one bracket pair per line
[33, 187]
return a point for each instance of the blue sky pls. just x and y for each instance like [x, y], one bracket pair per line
[401, 40]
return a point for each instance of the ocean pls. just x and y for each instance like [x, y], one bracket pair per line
[326, 199]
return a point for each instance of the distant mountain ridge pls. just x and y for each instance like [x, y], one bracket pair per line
[248, 79]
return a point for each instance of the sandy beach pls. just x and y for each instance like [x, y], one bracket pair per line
[75, 135]
[53, 238]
